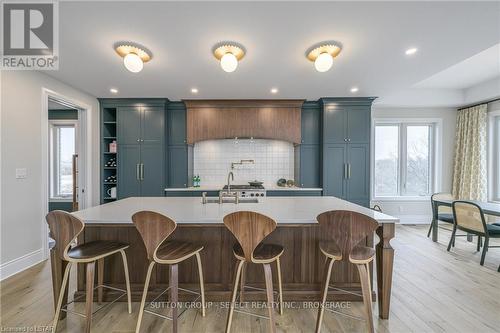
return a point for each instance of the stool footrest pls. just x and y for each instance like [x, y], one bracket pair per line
[346, 291]
[251, 314]
[65, 306]
[161, 294]
[345, 314]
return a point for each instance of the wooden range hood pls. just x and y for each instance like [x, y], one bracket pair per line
[260, 119]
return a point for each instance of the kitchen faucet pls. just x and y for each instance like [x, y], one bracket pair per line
[230, 176]
[227, 193]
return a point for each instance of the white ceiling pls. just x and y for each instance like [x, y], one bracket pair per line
[276, 36]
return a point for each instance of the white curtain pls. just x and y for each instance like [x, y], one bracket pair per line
[470, 163]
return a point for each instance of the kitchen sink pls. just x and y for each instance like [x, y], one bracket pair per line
[232, 200]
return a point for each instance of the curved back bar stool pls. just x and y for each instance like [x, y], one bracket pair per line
[154, 229]
[64, 229]
[343, 231]
[250, 229]
[469, 217]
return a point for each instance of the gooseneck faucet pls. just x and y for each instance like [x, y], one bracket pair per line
[230, 176]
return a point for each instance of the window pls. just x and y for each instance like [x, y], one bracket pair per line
[403, 159]
[62, 148]
[495, 156]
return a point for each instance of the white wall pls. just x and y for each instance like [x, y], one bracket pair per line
[420, 211]
[21, 131]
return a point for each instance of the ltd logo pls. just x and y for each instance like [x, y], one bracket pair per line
[29, 36]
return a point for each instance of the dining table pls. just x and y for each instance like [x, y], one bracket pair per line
[488, 208]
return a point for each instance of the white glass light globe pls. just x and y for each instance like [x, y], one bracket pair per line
[133, 63]
[323, 62]
[228, 62]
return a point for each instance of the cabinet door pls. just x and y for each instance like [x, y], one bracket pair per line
[129, 125]
[334, 124]
[129, 158]
[177, 126]
[153, 170]
[310, 120]
[334, 170]
[358, 124]
[358, 182]
[153, 125]
[178, 166]
[309, 166]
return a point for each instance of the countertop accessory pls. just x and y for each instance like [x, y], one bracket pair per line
[290, 183]
[255, 183]
[281, 182]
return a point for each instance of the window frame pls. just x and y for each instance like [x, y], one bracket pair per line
[434, 156]
[494, 156]
[53, 157]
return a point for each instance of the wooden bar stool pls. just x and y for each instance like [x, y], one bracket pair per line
[343, 231]
[250, 229]
[154, 229]
[64, 229]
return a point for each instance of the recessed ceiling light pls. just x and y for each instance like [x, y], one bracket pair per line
[194, 90]
[354, 89]
[274, 90]
[411, 51]
[113, 91]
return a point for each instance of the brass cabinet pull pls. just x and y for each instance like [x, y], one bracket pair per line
[349, 171]
[345, 170]
[142, 171]
[137, 171]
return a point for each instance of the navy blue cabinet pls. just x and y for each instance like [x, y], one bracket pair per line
[346, 148]
[180, 154]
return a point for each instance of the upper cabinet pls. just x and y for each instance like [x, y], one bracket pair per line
[176, 123]
[311, 123]
[141, 124]
[263, 119]
[346, 120]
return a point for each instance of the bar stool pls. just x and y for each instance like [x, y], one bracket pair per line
[154, 229]
[64, 229]
[343, 231]
[250, 229]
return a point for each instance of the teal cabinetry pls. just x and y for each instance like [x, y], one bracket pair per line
[138, 127]
[308, 153]
[346, 148]
[180, 154]
[293, 193]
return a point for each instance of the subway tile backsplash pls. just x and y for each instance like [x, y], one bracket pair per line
[273, 160]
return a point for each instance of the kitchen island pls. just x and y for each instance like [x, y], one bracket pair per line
[297, 230]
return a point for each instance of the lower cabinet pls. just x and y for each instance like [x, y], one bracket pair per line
[293, 193]
[141, 170]
[180, 168]
[309, 168]
[346, 172]
[190, 193]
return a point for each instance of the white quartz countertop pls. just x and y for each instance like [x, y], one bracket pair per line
[190, 210]
[218, 188]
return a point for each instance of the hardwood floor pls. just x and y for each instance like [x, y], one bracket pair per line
[433, 291]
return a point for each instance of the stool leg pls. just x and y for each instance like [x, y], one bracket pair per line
[242, 281]
[89, 294]
[328, 265]
[280, 289]
[61, 295]
[364, 276]
[270, 296]
[202, 284]
[127, 280]
[100, 279]
[174, 294]
[233, 295]
[144, 295]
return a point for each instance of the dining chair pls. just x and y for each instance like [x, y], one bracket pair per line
[64, 229]
[469, 217]
[250, 229]
[154, 229]
[343, 233]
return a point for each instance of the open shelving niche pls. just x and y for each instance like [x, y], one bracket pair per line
[108, 135]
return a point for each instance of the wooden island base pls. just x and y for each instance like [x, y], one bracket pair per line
[301, 264]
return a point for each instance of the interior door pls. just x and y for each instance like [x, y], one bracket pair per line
[129, 159]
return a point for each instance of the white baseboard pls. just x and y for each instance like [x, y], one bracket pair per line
[20, 264]
[414, 219]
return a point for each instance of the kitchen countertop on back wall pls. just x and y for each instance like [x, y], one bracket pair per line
[267, 188]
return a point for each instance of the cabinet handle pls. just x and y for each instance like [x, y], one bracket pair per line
[345, 170]
[137, 171]
[142, 171]
[348, 170]
[348, 140]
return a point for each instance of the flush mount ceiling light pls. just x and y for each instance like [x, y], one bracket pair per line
[323, 55]
[228, 55]
[134, 57]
